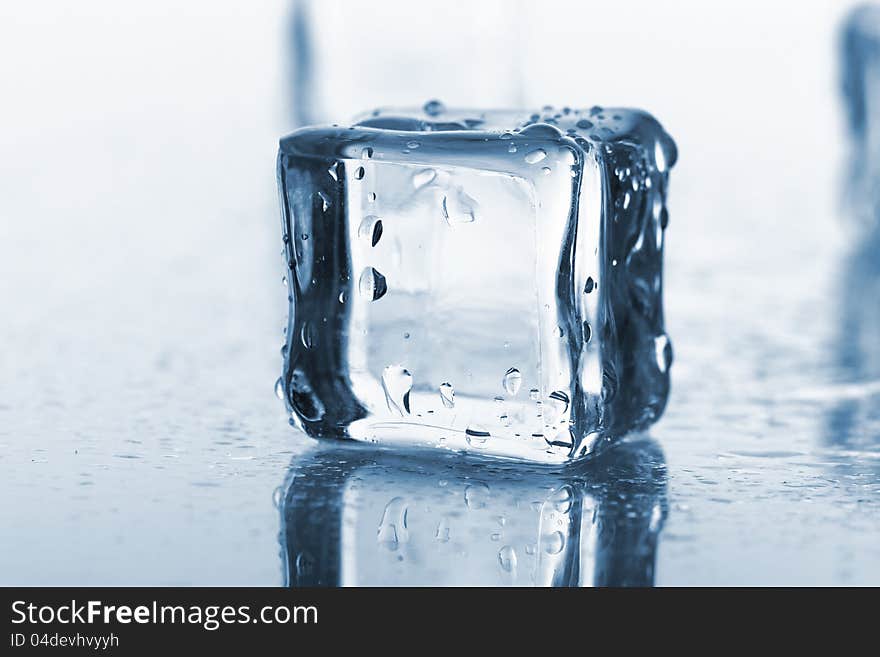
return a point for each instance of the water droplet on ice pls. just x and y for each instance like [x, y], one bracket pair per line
[372, 284]
[476, 495]
[659, 157]
[459, 208]
[333, 171]
[434, 108]
[367, 153]
[397, 383]
[511, 148]
[277, 496]
[279, 388]
[476, 435]
[371, 229]
[534, 393]
[535, 156]
[562, 499]
[553, 543]
[441, 534]
[325, 201]
[507, 559]
[663, 352]
[423, 177]
[392, 527]
[412, 145]
[512, 381]
[447, 395]
[590, 285]
[583, 124]
[359, 173]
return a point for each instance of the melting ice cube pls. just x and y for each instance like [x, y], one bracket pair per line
[479, 252]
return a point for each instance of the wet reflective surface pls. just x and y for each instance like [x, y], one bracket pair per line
[140, 439]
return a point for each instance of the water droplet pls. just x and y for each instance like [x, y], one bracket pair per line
[447, 395]
[559, 332]
[531, 548]
[342, 296]
[553, 543]
[412, 145]
[588, 332]
[441, 534]
[556, 406]
[477, 435]
[307, 335]
[397, 383]
[545, 171]
[512, 381]
[371, 197]
[507, 559]
[511, 148]
[423, 177]
[277, 496]
[561, 499]
[359, 173]
[663, 352]
[535, 156]
[476, 495]
[371, 229]
[534, 393]
[459, 208]
[434, 108]
[590, 285]
[325, 201]
[583, 124]
[659, 157]
[392, 527]
[333, 171]
[279, 388]
[372, 284]
[367, 153]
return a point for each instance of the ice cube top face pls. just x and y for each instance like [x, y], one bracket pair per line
[478, 281]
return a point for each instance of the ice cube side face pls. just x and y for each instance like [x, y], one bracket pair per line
[486, 282]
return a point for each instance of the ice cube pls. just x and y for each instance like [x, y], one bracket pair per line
[486, 253]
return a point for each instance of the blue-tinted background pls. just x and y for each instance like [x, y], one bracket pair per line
[140, 440]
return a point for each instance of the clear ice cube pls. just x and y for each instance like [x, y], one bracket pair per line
[478, 281]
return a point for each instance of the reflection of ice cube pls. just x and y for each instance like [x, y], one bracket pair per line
[357, 517]
[454, 248]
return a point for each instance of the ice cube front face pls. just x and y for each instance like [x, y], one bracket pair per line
[479, 281]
